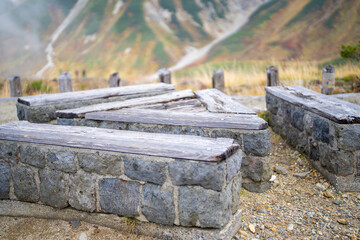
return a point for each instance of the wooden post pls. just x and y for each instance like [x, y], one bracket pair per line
[114, 80]
[218, 81]
[15, 86]
[272, 76]
[328, 80]
[65, 82]
[164, 76]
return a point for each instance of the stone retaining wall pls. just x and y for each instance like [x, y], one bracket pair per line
[333, 148]
[156, 189]
[256, 169]
[47, 113]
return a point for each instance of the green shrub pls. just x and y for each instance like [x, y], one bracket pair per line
[37, 86]
[351, 52]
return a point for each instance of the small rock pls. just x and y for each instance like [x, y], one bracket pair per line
[236, 237]
[337, 202]
[242, 233]
[342, 221]
[300, 162]
[262, 227]
[261, 210]
[290, 227]
[280, 170]
[358, 196]
[273, 177]
[74, 223]
[83, 236]
[301, 175]
[320, 187]
[328, 194]
[252, 228]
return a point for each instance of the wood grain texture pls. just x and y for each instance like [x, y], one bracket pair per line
[164, 117]
[218, 102]
[324, 105]
[153, 144]
[192, 105]
[55, 98]
[168, 97]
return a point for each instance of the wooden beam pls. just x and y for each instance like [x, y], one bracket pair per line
[47, 99]
[163, 117]
[168, 97]
[153, 144]
[218, 102]
[326, 106]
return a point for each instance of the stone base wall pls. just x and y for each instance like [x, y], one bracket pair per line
[155, 189]
[333, 149]
[255, 144]
[47, 113]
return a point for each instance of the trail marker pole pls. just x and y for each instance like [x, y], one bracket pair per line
[65, 82]
[218, 81]
[15, 86]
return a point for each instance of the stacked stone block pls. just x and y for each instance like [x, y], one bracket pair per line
[157, 189]
[333, 148]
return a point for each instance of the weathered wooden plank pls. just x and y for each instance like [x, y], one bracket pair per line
[168, 97]
[326, 106]
[218, 102]
[47, 99]
[153, 144]
[163, 117]
[180, 105]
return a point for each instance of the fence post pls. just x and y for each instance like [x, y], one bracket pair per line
[218, 81]
[114, 80]
[15, 86]
[164, 76]
[65, 82]
[272, 76]
[328, 80]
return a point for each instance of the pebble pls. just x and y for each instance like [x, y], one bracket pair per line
[242, 233]
[273, 177]
[342, 221]
[74, 223]
[300, 162]
[83, 236]
[261, 210]
[337, 202]
[236, 237]
[301, 175]
[358, 196]
[328, 194]
[290, 227]
[320, 187]
[252, 228]
[280, 170]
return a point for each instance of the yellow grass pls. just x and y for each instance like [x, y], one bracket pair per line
[243, 78]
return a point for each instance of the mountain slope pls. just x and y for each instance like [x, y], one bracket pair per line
[294, 29]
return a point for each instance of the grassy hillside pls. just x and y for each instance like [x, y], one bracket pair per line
[294, 29]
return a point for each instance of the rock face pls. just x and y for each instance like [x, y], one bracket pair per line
[322, 127]
[4, 180]
[24, 184]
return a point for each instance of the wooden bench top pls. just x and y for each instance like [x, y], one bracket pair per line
[164, 98]
[153, 144]
[55, 98]
[194, 119]
[218, 102]
[324, 105]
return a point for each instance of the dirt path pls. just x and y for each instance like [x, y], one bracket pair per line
[7, 111]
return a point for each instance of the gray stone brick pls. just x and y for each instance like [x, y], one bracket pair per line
[321, 130]
[33, 156]
[62, 160]
[41, 114]
[271, 104]
[119, 197]
[145, 170]
[9, 152]
[208, 175]
[358, 166]
[204, 208]
[308, 124]
[235, 193]
[5, 174]
[349, 137]
[82, 192]
[66, 121]
[257, 144]
[257, 187]
[233, 165]
[24, 184]
[158, 205]
[113, 125]
[54, 188]
[314, 150]
[292, 136]
[103, 163]
[335, 161]
[222, 133]
[257, 169]
[297, 116]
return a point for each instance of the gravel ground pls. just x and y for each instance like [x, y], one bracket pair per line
[297, 207]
